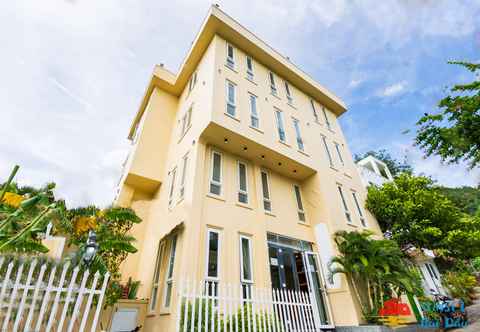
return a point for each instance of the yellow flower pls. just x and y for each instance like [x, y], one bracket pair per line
[84, 223]
[12, 199]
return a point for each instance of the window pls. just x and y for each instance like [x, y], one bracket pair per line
[192, 82]
[431, 270]
[246, 259]
[254, 120]
[250, 68]
[213, 250]
[216, 176]
[326, 118]
[231, 108]
[299, 136]
[173, 175]
[230, 57]
[339, 153]
[156, 278]
[169, 279]
[360, 213]
[315, 115]
[246, 272]
[327, 150]
[280, 126]
[289, 94]
[186, 121]
[344, 203]
[242, 183]
[267, 203]
[184, 175]
[301, 212]
[273, 87]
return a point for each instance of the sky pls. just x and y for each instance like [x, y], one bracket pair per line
[72, 75]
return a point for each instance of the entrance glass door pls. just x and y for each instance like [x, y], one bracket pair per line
[299, 270]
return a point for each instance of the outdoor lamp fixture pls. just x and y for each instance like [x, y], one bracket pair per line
[91, 248]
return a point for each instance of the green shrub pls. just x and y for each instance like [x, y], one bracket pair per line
[460, 285]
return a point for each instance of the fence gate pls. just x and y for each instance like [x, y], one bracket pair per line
[36, 296]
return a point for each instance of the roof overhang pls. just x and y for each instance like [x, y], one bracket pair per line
[219, 23]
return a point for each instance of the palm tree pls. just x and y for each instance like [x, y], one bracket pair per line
[377, 270]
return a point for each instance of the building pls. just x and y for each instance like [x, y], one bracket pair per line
[375, 172]
[241, 173]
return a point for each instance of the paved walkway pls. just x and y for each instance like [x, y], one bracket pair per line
[473, 312]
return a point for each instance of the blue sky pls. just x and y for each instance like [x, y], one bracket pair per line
[73, 74]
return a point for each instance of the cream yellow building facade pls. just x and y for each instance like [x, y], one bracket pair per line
[238, 156]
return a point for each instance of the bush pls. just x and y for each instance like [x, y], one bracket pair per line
[460, 285]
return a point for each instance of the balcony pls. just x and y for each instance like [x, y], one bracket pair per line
[299, 168]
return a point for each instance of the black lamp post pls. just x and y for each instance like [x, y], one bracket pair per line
[91, 248]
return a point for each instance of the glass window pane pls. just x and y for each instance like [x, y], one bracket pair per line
[230, 51]
[249, 64]
[213, 255]
[253, 105]
[266, 192]
[242, 176]
[327, 150]
[172, 257]
[217, 164]
[231, 93]
[168, 294]
[299, 198]
[246, 259]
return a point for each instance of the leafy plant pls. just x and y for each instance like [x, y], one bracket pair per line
[415, 213]
[376, 269]
[454, 132]
[460, 285]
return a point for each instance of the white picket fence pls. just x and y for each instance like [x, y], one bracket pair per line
[47, 297]
[234, 308]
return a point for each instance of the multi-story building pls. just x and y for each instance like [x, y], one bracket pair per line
[241, 174]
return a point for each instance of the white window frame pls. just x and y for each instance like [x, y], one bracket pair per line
[298, 134]
[288, 92]
[250, 71]
[184, 175]
[249, 239]
[300, 210]
[269, 198]
[173, 175]
[315, 114]
[359, 209]
[186, 121]
[273, 85]
[212, 181]
[156, 278]
[227, 98]
[192, 82]
[327, 121]
[252, 115]
[230, 61]
[343, 200]
[239, 190]
[170, 269]
[280, 121]
[339, 153]
[327, 150]
[207, 256]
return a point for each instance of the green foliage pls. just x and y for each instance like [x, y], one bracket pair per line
[377, 270]
[395, 166]
[417, 214]
[467, 199]
[453, 133]
[241, 320]
[460, 285]
[476, 263]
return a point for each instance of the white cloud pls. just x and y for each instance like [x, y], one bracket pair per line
[393, 90]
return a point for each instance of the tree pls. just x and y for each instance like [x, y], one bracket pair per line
[467, 199]
[395, 166]
[453, 133]
[417, 214]
[377, 270]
